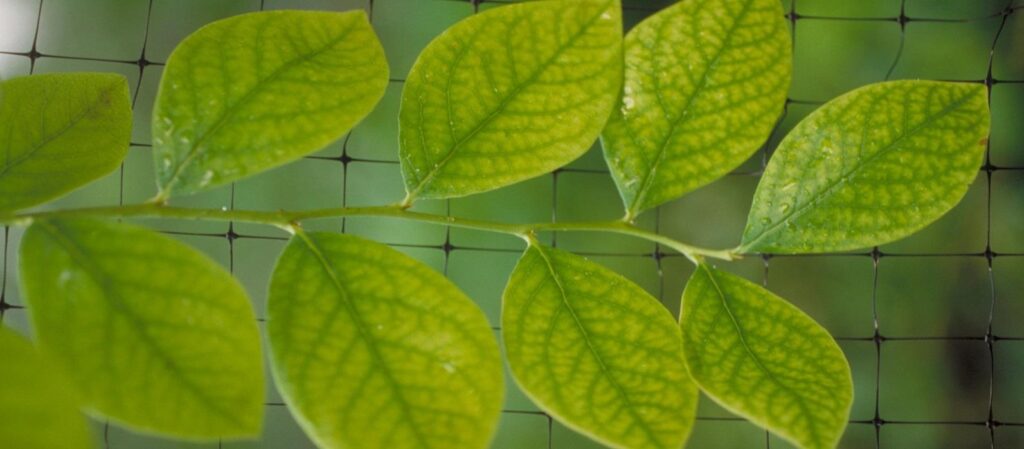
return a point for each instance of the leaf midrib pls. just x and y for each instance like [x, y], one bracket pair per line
[648, 181]
[437, 167]
[757, 360]
[846, 177]
[117, 304]
[233, 109]
[364, 335]
[605, 370]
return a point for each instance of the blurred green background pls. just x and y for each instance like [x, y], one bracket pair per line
[933, 378]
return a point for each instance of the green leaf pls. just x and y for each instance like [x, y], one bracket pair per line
[872, 166]
[372, 349]
[596, 351]
[59, 132]
[38, 405]
[155, 335]
[509, 94]
[705, 82]
[255, 91]
[764, 359]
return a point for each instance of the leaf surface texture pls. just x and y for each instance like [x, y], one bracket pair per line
[705, 82]
[37, 402]
[154, 334]
[762, 358]
[373, 349]
[254, 91]
[596, 351]
[872, 166]
[509, 94]
[58, 132]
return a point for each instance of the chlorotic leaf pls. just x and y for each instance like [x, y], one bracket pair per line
[705, 83]
[37, 402]
[255, 91]
[596, 351]
[372, 349]
[764, 359]
[154, 334]
[872, 166]
[58, 132]
[509, 94]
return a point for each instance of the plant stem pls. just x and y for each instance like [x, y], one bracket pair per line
[289, 220]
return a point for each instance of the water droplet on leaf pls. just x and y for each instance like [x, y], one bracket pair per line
[207, 178]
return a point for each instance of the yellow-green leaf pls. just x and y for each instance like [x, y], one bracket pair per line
[596, 351]
[154, 334]
[255, 91]
[705, 82]
[757, 355]
[38, 405]
[58, 132]
[374, 350]
[509, 94]
[872, 166]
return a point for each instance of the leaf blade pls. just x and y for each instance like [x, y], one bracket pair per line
[733, 331]
[700, 97]
[287, 84]
[372, 294]
[642, 375]
[38, 404]
[117, 288]
[489, 102]
[61, 131]
[894, 173]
